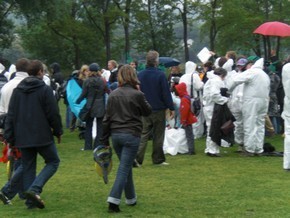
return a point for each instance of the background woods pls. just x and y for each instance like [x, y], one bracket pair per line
[74, 32]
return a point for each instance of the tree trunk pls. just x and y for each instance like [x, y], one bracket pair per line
[185, 37]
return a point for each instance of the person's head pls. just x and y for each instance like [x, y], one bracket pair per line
[241, 64]
[221, 72]
[231, 55]
[208, 66]
[35, 68]
[55, 67]
[22, 64]
[112, 64]
[94, 69]
[127, 75]
[152, 59]
[134, 64]
[84, 72]
[222, 61]
[175, 69]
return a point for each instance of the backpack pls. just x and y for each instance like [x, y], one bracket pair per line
[195, 105]
[195, 102]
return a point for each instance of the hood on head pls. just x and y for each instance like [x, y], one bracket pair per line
[228, 65]
[259, 64]
[55, 67]
[216, 63]
[190, 67]
[181, 89]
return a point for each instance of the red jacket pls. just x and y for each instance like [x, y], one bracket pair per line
[186, 116]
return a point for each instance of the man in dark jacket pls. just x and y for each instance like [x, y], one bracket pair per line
[33, 119]
[156, 89]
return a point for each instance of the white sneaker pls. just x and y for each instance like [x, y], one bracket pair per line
[163, 164]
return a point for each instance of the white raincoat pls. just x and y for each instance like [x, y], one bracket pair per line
[212, 95]
[255, 105]
[197, 84]
[286, 115]
[190, 69]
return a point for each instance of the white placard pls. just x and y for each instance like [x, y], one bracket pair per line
[204, 55]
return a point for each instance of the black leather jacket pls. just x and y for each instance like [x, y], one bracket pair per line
[126, 105]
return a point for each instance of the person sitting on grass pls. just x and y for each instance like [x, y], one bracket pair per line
[187, 118]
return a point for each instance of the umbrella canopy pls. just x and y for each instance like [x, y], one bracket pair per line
[274, 28]
[168, 61]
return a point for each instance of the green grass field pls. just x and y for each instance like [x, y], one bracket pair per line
[191, 186]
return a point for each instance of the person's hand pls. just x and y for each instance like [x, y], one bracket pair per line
[58, 139]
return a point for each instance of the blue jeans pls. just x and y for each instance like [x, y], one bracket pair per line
[88, 133]
[34, 183]
[126, 147]
[15, 184]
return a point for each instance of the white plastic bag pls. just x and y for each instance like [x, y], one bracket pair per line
[175, 141]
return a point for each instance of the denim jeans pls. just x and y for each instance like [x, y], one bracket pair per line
[126, 147]
[34, 183]
[89, 145]
[15, 184]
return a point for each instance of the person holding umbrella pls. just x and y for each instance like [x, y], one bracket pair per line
[123, 123]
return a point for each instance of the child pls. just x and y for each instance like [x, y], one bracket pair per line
[187, 118]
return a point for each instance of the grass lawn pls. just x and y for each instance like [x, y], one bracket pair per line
[191, 186]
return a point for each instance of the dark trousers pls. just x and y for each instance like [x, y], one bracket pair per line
[190, 138]
[89, 145]
[153, 124]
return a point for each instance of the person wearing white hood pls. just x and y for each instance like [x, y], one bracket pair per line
[211, 96]
[286, 114]
[193, 85]
[255, 106]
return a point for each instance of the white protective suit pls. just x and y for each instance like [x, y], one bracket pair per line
[255, 105]
[286, 115]
[190, 69]
[212, 95]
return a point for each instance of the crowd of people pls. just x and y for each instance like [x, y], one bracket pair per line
[128, 107]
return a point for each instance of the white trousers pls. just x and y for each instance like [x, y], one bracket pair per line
[254, 112]
[286, 158]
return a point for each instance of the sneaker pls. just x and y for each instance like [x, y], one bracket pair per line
[162, 164]
[136, 164]
[4, 199]
[113, 208]
[37, 201]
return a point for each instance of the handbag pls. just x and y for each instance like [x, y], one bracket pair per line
[227, 127]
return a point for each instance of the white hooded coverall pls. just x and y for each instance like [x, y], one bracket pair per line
[286, 115]
[255, 105]
[212, 95]
[197, 84]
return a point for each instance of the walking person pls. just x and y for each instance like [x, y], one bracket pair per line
[15, 184]
[123, 123]
[94, 89]
[33, 119]
[154, 85]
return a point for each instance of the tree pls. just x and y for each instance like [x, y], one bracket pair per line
[153, 27]
[7, 26]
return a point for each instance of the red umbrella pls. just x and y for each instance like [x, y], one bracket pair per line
[274, 28]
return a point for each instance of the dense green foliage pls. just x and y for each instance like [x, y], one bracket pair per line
[74, 32]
